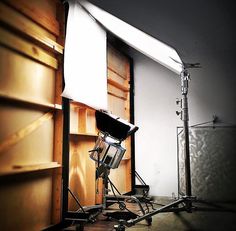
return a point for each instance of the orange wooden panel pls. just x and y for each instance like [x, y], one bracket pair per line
[118, 104]
[27, 27]
[82, 171]
[41, 11]
[33, 149]
[115, 77]
[23, 78]
[26, 202]
[117, 62]
[116, 92]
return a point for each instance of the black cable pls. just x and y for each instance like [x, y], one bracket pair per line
[114, 186]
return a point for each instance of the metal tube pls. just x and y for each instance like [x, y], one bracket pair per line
[76, 199]
[185, 118]
[148, 215]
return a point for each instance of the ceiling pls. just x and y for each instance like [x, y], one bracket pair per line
[191, 27]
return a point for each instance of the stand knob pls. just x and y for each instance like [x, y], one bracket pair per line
[178, 113]
[178, 101]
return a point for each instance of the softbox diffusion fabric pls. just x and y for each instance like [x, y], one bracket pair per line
[85, 59]
[85, 62]
[142, 42]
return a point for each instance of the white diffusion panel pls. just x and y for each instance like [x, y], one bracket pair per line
[85, 59]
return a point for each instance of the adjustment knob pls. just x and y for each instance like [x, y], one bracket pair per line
[177, 101]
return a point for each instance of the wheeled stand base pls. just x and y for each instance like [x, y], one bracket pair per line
[186, 201]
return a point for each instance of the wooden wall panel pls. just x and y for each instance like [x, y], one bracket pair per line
[82, 137]
[43, 12]
[32, 149]
[117, 62]
[82, 171]
[30, 113]
[26, 79]
[25, 202]
[115, 76]
[74, 123]
[114, 91]
[116, 106]
[119, 104]
[119, 177]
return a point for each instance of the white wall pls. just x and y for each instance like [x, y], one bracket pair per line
[156, 88]
[201, 32]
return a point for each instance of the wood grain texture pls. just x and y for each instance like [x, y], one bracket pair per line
[42, 12]
[21, 134]
[27, 27]
[26, 48]
[26, 202]
[24, 79]
[119, 104]
[22, 168]
[82, 171]
[31, 44]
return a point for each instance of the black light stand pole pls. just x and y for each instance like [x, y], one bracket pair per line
[185, 77]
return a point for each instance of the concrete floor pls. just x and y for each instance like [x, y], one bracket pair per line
[196, 221]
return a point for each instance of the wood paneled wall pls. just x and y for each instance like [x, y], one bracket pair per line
[119, 104]
[83, 135]
[31, 48]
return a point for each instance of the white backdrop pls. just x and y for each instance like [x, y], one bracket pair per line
[85, 59]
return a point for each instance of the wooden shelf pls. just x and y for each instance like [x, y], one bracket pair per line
[17, 169]
[84, 134]
[28, 101]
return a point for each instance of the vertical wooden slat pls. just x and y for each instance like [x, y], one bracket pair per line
[57, 174]
[58, 124]
[82, 115]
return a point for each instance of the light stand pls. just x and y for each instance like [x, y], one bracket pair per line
[187, 199]
[185, 77]
[184, 203]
